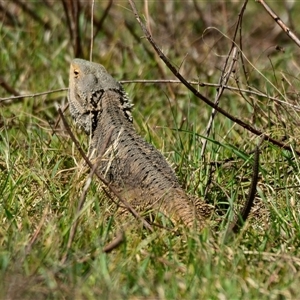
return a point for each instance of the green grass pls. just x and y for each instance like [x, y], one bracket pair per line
[42, 176]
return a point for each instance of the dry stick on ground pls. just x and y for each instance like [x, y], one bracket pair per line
[126, 204]
[173, 69]
[58, 119]
[280, 22]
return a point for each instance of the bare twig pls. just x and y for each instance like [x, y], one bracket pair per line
[224, 78]
[113, 190]
[222, 82]
[173, 69]
[203, 84]
[221, 87]
[200, 84]
[289, 33]
[32, 95]
[83, 197]
[58, 119]
[118, 240]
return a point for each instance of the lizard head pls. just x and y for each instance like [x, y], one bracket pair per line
[87, 83]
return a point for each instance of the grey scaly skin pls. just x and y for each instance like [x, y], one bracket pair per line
[139, 172]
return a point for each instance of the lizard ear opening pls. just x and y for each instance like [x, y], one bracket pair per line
[76, 73]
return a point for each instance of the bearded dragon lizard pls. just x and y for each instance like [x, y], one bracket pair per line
[133, 167]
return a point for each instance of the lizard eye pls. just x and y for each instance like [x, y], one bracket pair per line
[76, 73]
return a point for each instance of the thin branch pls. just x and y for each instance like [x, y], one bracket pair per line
[224, 78]
[204, 84]
[200, 84]
[221, 87]
[173, 69]
[117, 241]
[32, 95]
[58, 119]
[289, 33]
[222, 82]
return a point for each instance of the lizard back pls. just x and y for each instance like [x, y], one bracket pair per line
[137, 170]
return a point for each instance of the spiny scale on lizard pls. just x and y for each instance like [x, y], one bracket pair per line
[137, 170]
